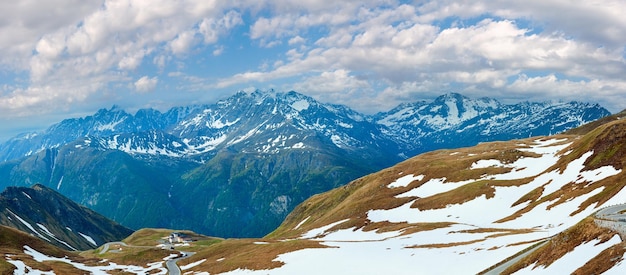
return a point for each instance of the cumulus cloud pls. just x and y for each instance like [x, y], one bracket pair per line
[369, 54]
[402, 46]
[146, 84]
[102, 43]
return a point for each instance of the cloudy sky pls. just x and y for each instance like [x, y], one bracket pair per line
[68, 58]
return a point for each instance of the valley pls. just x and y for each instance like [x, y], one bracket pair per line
[555, 200]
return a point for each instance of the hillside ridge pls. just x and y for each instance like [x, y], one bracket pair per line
[48, 215]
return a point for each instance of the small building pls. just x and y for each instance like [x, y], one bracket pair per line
[178, 237]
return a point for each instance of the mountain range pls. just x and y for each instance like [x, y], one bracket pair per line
[238, 167]
[547, 205]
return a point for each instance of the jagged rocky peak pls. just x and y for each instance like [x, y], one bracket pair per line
[148, 113]
[248, 112]
[457, 108]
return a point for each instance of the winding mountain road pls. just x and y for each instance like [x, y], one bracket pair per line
[171, 265]
[106, 246]
[612, 217]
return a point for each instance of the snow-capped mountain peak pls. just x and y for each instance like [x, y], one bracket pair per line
[249, 119]
[255, 155]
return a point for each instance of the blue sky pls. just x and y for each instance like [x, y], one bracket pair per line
[69, 58]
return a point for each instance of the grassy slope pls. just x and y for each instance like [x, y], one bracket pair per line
[12, 242]
[563, 243]
[371, 192]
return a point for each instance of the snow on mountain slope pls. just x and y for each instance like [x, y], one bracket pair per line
[55, 219]
[464, 211]
[23, 268]
[451, 120]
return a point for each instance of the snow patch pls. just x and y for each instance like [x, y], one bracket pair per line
[218, 124]
[301, 223]
[405, 181]
[110, 126]
[298, 145]
[572, 260]
[300, 105]
[191, 265]
[317, 232]
[45, 230]
[89, 239]
[60, 182]
[170, 257]
[433, 187]
[151, 268]
[486, 163]
[25, 223]
[344, 125]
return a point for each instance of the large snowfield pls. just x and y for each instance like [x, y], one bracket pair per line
[452, 250]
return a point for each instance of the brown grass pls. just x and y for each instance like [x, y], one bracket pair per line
[371, 192]
[603, 261]
[464, 193]
[138, 256]
[563, 243]
[499, 232]
[232, 254]
[151, 236]
[444, 245]
[531, 196]
[6, 267]
[12, 242]
[609, 149]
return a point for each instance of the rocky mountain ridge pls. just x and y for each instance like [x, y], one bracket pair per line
[205, 129]
[251, 158]
[44, 213]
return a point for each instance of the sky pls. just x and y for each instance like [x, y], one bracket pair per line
[69, 58]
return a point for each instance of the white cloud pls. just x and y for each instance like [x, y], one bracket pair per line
[146, 84]
[218, 50]
[59, 96]
[379, 52]
[333, 82]
[183, 42]
[399, 47]
[22, 23]
[101, 42]
[212, 28]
